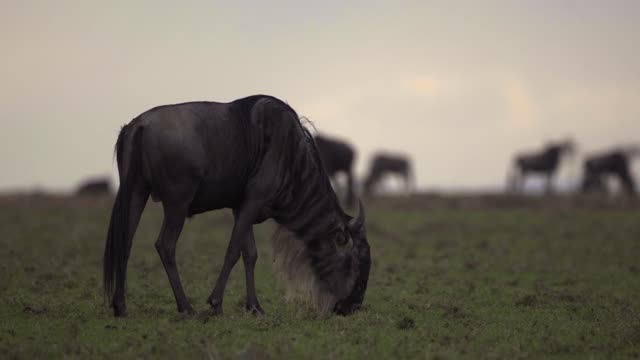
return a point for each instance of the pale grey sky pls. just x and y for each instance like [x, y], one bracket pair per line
[460, 86]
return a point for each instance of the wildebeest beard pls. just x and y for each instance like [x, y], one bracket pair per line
[321, 276]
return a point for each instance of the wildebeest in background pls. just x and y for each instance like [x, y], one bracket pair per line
[616, 164]
[95, 187]
[338, 156]
[386, 164]
[251, 155]
[543, 163]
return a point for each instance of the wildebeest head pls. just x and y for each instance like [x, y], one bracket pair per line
[330, 275]
[567, 146]
[357, 244]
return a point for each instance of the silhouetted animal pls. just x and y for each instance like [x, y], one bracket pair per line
[615, 164]
[97, 186]
[338, 156]
[251, 155]
[385, 164]
[544, 163]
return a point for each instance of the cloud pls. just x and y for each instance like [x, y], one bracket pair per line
[604, 102]
[521, 109]
[431, 86]
[424, 86]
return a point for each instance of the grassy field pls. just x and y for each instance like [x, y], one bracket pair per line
[479, 277]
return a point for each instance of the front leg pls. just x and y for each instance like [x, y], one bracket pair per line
[242, 229]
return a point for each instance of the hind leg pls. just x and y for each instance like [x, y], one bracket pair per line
[548, 184]
[174, 218]
[136, 207]
[407, 184]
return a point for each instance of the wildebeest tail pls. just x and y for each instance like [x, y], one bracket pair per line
[118, 242]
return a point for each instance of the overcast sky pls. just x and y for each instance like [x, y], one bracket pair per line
[459, 86]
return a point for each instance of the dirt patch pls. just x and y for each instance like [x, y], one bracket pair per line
[527, 300]
[34, 310]
[471, 264]
[454, 311]
[406, 323]
[254, 352]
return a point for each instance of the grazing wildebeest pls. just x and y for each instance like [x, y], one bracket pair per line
[338, 156]
[384, 164]
[96, 186]
[544, 163]
[614, 163]
[253, 156]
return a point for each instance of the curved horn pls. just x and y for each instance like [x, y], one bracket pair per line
[359, 220]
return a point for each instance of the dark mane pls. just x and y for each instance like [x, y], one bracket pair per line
[318, 162]
[338, 157]
[306, 190]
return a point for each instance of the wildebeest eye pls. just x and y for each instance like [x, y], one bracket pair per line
[344, 241]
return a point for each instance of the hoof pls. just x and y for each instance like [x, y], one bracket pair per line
[216, 306]
[254, 309]
[345, 308]
[188, 310]
[119, 311]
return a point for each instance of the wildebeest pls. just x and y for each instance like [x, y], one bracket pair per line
[338, 156]
[544, 163]
[95, 186]
[387, 164]
[615, 163]
[251, 155]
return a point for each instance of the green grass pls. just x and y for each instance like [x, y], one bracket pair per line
[451, 278]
